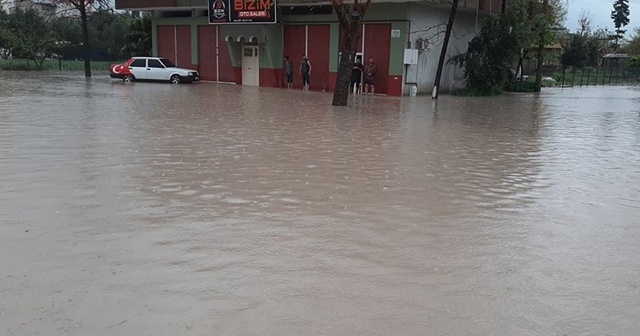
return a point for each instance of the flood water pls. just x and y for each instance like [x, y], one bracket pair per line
[155, 209]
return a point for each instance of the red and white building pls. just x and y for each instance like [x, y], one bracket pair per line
[403, 37]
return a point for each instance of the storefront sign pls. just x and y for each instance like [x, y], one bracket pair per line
[242, 11]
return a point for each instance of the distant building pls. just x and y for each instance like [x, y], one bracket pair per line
[6, 5]
[45, 9]
[403, 36]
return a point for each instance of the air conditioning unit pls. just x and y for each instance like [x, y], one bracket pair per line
[422, 44]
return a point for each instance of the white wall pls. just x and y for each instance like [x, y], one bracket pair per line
[424, 22]
[6, 5]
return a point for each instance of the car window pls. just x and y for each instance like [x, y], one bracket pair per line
[167, 63]
[154, 63]
[139, 63]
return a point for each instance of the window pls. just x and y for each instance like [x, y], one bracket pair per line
[167, 63]
[153, 63]
[139, 63]
[248, 52]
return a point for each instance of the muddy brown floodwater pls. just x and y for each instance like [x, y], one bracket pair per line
[154, 209]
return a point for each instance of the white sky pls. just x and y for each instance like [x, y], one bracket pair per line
[601, 11]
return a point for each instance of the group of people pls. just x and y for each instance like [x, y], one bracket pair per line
[370, 71]
[305, 71]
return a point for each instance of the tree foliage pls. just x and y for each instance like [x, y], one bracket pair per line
[490, 55]
[107, 32]
[576, 54]
[113, 36]
[632, 47]
[620, 17]
[586, 46]
[137, 40]
[504, 40]
[28, 35]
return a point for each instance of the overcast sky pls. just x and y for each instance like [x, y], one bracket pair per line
[601, 11]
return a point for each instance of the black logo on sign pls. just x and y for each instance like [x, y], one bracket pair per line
[218, 9]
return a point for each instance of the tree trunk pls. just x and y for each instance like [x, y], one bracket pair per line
[350, 19]
[85, 38]
[520, 68]
[538, 84]
[348, 50]
[443, 52]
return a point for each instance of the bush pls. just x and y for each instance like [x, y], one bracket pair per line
[525, 86]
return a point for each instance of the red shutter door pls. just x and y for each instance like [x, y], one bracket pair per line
[318, 46]
[167, 42]
[183, 43]
[377, 44]
[294, 41]
[207, 53]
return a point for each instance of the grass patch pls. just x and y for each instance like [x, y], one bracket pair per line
[525, 86]
[54, 65]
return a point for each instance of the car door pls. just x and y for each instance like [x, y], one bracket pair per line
[139, 68]
[155, 70]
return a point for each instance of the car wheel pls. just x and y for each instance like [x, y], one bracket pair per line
[128, 78]
[175, 79]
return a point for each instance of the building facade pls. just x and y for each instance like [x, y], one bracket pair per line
[404, 39]
[44, 9]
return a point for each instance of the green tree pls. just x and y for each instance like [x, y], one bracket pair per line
[585, 47]
[138, 37]
[505, 39]
[632, 47]
[576, 54]
[4, 36]
[546, 17]
[82, 7]
[107, 31]
[490, 55]
[620, 17]
[598, 44]
[69, 32]
[29, 36]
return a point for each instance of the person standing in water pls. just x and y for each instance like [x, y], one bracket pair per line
[305, 71]
[288, 70]
[356, 76]
[370, 76]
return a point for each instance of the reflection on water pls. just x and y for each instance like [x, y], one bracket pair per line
[204, 209]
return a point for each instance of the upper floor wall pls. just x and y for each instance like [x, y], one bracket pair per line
[483, 6]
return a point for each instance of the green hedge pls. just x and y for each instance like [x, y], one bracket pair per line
[525, 86]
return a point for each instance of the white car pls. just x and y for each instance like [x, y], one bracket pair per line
[152, 69]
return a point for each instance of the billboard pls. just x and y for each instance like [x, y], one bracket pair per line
[242, 11]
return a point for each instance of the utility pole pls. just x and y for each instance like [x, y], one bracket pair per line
[443, 52]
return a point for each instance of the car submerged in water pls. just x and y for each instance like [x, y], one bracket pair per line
[152, 69]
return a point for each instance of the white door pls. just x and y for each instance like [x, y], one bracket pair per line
[250, 66]
[139, 68]
[156, 70]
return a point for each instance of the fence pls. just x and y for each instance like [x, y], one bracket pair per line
[598, 76]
